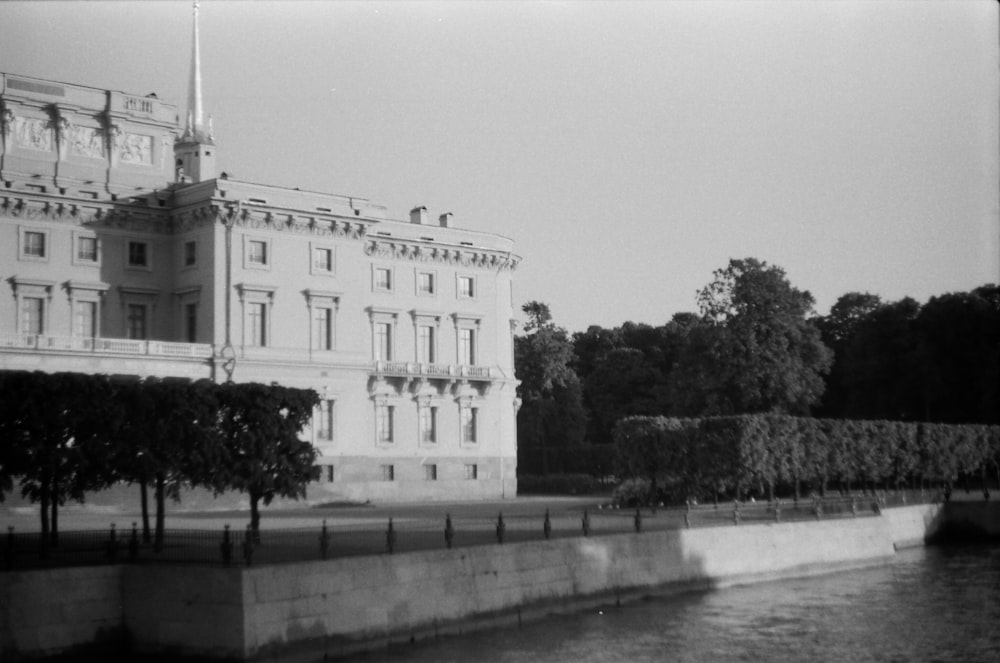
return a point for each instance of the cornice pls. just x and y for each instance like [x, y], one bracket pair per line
[415, 251]
[24, 206]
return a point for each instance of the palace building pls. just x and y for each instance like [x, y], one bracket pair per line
[124, 251]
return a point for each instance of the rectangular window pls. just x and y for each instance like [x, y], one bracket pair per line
[469, 416]
[86, 249]
[383, 279]
[383, 341]
[191, 323]
[383, 423]
[190, 253]
[430, 472]
[32, 310]
[34, 244]
[428, 424]
[472, 472]
[257, 252]
[388, 472]
[257, 322]
[135, 320]
[85, 319]
[467, 347]
[329, 473]
[138, 254]
[425, 283]
[466, 287]
[324, 421]
[425, 344]
[322, 328]
[323, 260]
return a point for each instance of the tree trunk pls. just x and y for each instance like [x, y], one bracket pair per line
[160, 512]
[798, 490]
[144, 499]
[43, 550]
[54, 521]
[255, 515]
[770, 492]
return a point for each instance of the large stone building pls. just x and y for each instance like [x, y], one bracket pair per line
[123, 251]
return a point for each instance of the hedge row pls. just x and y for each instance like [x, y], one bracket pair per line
[700, 458]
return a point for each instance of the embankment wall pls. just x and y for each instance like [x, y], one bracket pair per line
[341, 605]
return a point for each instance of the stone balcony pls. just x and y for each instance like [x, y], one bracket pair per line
[99, 345]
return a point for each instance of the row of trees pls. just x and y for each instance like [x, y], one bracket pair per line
[705, 457]
[756, 346]
[64, 434]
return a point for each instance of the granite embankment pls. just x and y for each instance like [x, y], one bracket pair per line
[337, 606]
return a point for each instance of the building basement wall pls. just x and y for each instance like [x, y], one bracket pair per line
[340, 605]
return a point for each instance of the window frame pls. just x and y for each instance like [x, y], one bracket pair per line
[473, 293]
[251, 241]
[78, 238]
[23, 244]
[390, 286]
[316, 270]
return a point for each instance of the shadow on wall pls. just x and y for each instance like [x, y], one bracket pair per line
[965, 522]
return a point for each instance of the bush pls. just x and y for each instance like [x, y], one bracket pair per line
[558, 484]
[631, 493]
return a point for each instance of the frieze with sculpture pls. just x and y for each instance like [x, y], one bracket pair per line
[31, 133]
[417, 253]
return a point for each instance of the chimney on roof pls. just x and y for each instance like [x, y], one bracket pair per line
[418, 215]
[445, 219]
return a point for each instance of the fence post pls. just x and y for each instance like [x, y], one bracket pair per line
[112, 544]
[226, 547]
[638, 520]
[736, 512]
[390, 538]
[777, 511]
[8, 554]
[687, 513]
[501, 528]
[817, 508]
[324, 542]
[547, 525]
[586, 523]
[854, 507]
[449, 530]
[133, 543]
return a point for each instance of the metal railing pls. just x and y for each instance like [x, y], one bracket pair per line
[418, 369]
[241, 547]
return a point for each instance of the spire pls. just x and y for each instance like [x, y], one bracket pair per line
[194, 127]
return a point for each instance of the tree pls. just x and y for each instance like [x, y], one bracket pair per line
[263, 455]
[758, 351]
[551, 413]
[837, 331]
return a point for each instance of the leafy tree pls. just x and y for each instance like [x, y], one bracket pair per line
[623, 383]
[263, 455]
[837, 331]
[758, 351]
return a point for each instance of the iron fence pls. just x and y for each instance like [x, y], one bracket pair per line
[241, 547]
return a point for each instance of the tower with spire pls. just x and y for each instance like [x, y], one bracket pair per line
[194, 150]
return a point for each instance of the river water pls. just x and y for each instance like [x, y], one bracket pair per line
[928, 604]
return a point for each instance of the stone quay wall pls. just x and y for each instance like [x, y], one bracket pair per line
[338, 606]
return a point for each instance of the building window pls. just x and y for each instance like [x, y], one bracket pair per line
[425, 283]
[388, 472]
[85, 319]
[428, 424]
[257, 253]
[324, 421]
[469, 424]
[32, 315]
[328, 471]
[138, 254]
[430, 472]
[191, 323]
[190, 253]
[383, 341]
[383, 423]
[382, 279]
[466, 287]
[322, 328]
[472, 471]
[425, 344]
[86, 249]
[323, 260]
[257, 323]
[135, 321]
[467, 346]
[33, 244]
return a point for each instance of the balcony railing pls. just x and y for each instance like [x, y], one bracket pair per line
[124, 346]
[439, 371]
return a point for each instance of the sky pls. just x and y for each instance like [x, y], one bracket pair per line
[629, 149]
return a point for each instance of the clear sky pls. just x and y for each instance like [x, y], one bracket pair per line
[628, 149]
